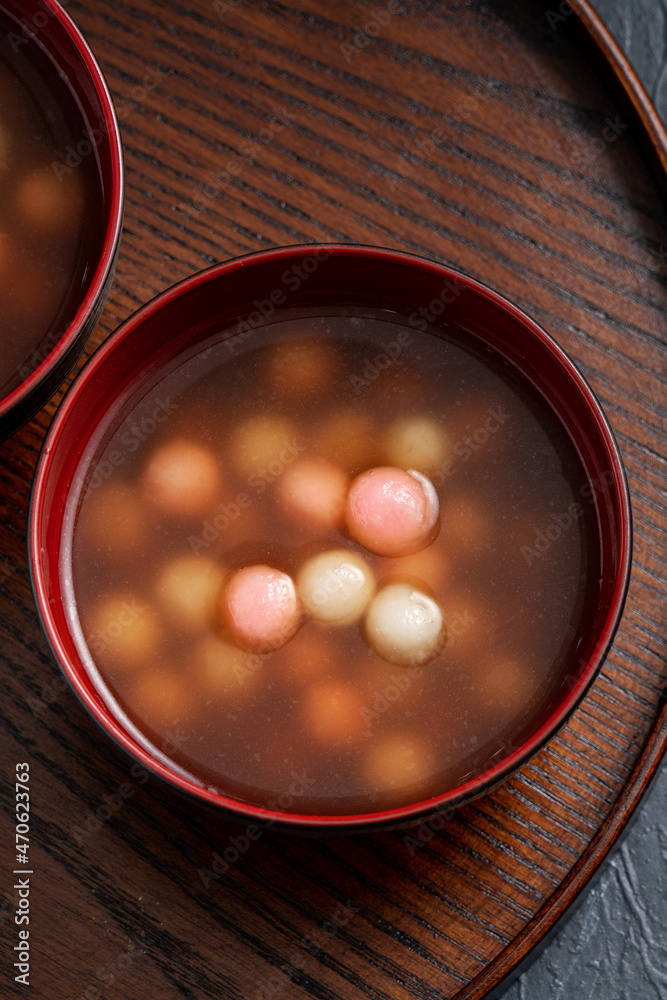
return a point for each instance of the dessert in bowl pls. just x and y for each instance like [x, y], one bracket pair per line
[330, 536]
[60, 220]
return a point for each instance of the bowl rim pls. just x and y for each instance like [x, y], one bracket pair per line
[113, 221]
[411, 813]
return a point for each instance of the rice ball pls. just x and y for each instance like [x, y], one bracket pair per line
[397, 763]
[313, 491]
[124, 631]
[159, 698]
[504, 683]
[264, 444]
[417, 443]
[188, 588]
[223, 668]
[405, 626]
[347, 438]
[336, 586]
[260, 607]
[332, 713]
[390, 511]
[181, 478]
[300, 368]
[51, 204]
[309, 656]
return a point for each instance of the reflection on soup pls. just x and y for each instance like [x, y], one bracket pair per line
[261, 631]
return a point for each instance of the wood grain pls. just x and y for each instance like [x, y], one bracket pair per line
[475, 133]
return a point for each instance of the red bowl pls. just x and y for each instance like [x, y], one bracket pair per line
[332, 275]
[43, 33]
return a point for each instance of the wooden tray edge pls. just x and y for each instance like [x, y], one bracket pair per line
[625, 76]
[496, 978]
[526, 946]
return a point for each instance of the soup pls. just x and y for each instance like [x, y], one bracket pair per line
[50, 215]
[247, 618]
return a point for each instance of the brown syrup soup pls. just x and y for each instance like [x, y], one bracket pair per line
[49, 213]
[513, 566]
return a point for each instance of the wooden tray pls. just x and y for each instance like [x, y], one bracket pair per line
[472, 132]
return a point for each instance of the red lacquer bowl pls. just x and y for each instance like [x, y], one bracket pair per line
[245, 292]
[43, 33]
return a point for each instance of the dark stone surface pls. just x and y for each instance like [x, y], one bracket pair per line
[614, 946]
[640, 27]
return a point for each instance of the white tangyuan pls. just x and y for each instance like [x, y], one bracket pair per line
[405, 625]
[336, 586]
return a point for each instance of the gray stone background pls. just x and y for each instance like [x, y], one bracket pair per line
[640, 27]
[614, 946]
